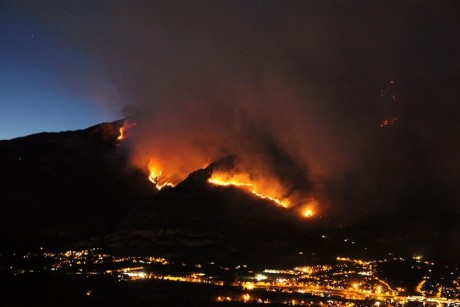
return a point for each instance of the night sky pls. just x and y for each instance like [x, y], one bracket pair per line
[297, 90]
[44, 83]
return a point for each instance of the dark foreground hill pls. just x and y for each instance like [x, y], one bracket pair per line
[57, 189]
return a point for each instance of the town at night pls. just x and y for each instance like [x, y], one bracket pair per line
[393, 281]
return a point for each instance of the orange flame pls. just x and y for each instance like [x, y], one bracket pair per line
[262, 187]
[157, 178]
[127, 124]
[243, 181]
[122, 134]
[309, 209]
[308, 213]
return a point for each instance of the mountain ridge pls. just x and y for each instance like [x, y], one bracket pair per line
[78, 189]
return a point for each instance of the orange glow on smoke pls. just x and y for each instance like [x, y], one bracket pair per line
[157, 178]
[244, 181]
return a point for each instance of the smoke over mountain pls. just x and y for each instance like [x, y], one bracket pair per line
[290, 88]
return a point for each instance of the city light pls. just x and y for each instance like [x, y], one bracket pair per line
[348, 280]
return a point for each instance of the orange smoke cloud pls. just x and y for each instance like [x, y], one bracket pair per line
[285, 104]
[290, 87]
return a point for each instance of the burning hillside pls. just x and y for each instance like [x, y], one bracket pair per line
[282, 183]
[218, 210]
[227, 172]
[231, 171]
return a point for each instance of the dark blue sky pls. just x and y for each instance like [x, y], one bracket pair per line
[43, 82]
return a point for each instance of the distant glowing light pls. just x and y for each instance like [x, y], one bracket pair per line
[260, 277]
[389, 93]
[388, 122]
[248, 285]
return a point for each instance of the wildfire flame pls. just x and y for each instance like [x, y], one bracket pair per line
[127, 124]
[308, 213]
[243, 181]
[122, 134]
[157, 178]
[263, 187]
[309, 209]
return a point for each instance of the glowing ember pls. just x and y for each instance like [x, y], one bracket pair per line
[388, 122]
[157, 178]
[390, 98]
[226, 180]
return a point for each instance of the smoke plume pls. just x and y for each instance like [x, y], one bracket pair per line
[292, 88]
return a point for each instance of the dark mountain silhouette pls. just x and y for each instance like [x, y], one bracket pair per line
[76, 189]
[60, 188]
